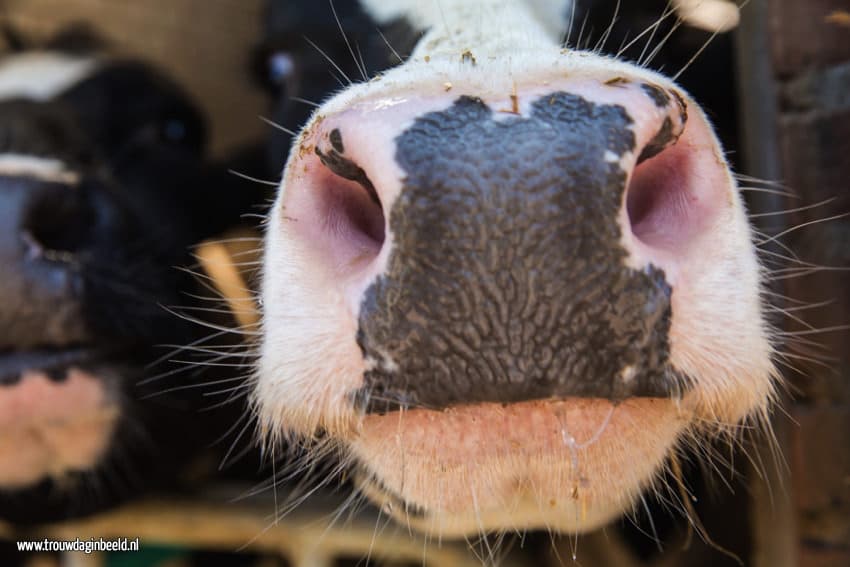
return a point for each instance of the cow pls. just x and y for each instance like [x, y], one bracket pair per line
[506, 279]
[104, 186]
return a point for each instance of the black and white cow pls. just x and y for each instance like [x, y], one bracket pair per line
[508, 279]
[103, 189]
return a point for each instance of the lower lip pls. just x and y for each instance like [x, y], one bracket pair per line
[39, 399]
[538, 427]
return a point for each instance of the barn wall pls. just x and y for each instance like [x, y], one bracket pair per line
[808, 52]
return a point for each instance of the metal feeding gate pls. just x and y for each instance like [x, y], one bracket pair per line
[793, 74]
[314, 535]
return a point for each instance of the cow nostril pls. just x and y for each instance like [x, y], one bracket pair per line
[660, 200]
[352, 217]
[58, 221]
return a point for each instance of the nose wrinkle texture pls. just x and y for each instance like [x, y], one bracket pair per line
[507, 280]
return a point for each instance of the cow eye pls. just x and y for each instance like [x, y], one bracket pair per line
[174, 130]
[281, 66]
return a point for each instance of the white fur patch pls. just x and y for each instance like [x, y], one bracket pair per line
[42, 76]
[43, 169]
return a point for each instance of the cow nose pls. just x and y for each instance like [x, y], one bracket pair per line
[44, 228]
[503, 249]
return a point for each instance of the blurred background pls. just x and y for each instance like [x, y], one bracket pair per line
[776, 86]
[204, 45]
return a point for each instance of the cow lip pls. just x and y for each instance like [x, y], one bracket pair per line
[373, 486]
[433, 460]
[50, 360]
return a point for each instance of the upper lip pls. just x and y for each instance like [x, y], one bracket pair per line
[14, 364]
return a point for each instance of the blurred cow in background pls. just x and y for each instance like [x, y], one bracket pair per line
[103, 190]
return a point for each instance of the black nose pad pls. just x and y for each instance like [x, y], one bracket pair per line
[508, 280]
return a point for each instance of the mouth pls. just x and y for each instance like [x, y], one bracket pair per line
[554, 462]
[56, 415]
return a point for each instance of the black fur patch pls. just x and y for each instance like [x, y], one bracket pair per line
[295, 28]
[44, 130]
[126, 103]
[507, 280]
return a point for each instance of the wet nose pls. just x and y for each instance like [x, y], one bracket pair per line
[44, 230]
[508, 249]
